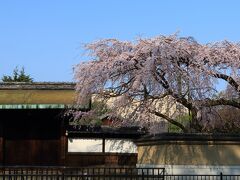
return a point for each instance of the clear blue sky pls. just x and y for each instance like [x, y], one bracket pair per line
[45, 36]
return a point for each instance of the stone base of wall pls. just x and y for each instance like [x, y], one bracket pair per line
[195, 169]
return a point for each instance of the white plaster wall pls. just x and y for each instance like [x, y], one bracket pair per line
[84, 145]
[95, 145]
[120, 146]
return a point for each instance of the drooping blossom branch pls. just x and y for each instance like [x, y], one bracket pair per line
[150, 70]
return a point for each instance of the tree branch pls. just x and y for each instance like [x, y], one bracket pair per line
[229, 79]
[170, 120]
[218, 102]
[160, 77]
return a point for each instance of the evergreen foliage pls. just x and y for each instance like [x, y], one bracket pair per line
[17, 76]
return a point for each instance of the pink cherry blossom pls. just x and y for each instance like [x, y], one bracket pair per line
[157, 72]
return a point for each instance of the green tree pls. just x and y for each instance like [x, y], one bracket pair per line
[17, 76]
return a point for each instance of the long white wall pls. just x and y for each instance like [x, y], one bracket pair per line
[96, 145]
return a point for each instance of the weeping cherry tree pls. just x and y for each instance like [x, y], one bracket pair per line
[148, 75]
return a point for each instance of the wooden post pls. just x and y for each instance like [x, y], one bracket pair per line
[1, 143]
[63, 150]
[63, 144]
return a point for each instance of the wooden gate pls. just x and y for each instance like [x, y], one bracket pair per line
[31, 137]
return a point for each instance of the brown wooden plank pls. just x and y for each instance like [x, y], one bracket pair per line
[32, 152]
[32, 137]
[1, 142]
[1, 150]
[63, 150]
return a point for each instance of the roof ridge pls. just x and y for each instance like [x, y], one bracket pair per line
[37, 85]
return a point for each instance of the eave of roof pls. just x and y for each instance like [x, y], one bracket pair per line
[104, 132]
[174, 137]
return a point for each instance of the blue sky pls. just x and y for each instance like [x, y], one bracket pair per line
[45, 36]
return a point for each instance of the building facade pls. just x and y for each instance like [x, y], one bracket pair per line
[35, 131]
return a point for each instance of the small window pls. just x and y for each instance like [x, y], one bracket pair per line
[120, 146]
[85, 145]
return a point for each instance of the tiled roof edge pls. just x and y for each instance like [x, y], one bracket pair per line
[37, 86]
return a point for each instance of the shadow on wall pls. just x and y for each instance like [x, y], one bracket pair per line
[200, 157]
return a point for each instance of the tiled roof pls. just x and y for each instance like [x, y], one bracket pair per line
[37, 86]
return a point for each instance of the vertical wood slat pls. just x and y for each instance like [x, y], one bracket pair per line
[63, 143]
[1, 143]
[1, 150]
